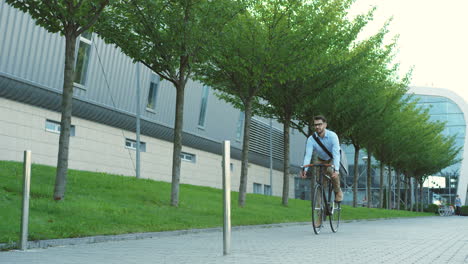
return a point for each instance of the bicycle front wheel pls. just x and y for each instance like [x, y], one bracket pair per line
[335, 213]
[317, 209]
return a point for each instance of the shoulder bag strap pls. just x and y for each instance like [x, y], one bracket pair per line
[321, 145]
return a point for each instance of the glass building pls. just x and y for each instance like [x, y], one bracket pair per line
[446, 106]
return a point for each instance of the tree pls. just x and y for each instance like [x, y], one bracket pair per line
[372, 81]
[169, 38]
[437, 153]
[70, 19]
[238, 68]
[423, 150]
[311, 55]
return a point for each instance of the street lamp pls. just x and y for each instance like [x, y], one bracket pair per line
[364, 159]
[368, 183]
[270, 139]
[450, 191]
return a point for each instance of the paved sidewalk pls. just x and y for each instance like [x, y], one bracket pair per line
[416, 240]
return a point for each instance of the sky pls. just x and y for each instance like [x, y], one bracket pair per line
[433, 39]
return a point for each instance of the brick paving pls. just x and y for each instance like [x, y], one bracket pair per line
[415, 240]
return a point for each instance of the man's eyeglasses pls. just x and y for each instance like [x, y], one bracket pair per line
[318, 124]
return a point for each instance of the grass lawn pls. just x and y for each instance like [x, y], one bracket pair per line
[103, 204]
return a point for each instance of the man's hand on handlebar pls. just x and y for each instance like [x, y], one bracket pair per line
[303, 173]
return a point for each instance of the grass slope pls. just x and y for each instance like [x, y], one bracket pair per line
[100, 204]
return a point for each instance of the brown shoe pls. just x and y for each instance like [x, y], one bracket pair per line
[339, 196]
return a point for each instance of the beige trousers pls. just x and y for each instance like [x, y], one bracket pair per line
[329, 172]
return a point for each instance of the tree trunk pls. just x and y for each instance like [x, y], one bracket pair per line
[389, 193]
[369, 180]
[286, 160]
[65, 123]
[177, 148]
[245, 154]
[382, 169]
[398, 197]
[421, 196]
[356, 175]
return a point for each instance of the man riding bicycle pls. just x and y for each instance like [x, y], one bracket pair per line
[330, 141]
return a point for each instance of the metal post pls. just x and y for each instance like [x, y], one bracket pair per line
[389, 189]
[394, 188]
[450, 191]
[137, 120]
[25, 215]
[227, 197]
[428, 201]
[271, 156]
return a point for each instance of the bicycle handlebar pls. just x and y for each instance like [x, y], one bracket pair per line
[316, 165]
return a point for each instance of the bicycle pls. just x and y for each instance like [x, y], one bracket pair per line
[323, 200]
[446, 210]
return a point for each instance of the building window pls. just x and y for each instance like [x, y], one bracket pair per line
[132, 144]
[54, 127]
[188, 157]
[82, 59]
[204, 102]
[267, 189]
[153, 93]
[240, 126]
[257, 188]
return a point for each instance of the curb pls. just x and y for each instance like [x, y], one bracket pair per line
[136, 236]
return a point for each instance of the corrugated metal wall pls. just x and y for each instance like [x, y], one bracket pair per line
[29, 52]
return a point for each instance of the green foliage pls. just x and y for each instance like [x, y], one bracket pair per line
[103, 204]
[464, 210]
[432, 208]
[167, 36]
[65, 17]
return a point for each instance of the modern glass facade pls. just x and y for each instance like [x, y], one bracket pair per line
[445, 110]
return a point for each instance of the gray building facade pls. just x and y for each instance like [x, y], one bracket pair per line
[31, 75]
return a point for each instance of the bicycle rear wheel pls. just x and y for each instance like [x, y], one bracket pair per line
[335, 213]
[317, 209]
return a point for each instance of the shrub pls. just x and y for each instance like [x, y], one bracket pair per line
[464, 210]
[432, 208]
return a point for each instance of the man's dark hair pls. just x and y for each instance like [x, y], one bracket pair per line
[320, 117]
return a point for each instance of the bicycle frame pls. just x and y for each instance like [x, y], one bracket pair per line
[322, 203]
[325, 181]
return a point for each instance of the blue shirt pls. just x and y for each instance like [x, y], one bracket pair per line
[330, 141]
